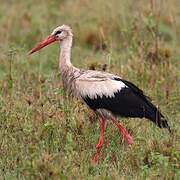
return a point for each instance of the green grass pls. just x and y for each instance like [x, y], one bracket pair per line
[46, 135]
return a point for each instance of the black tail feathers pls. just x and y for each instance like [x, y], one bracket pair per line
[155, 116]
[162, 122]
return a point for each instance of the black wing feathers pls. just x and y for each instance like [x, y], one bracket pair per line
[134, 88]
[128, 102]
[153, 113]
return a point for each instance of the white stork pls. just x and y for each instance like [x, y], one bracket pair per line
[106, 94]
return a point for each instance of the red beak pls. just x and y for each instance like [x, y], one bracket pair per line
[43, 43]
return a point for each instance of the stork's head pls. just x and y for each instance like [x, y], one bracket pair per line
[62, 32]
[59, 34]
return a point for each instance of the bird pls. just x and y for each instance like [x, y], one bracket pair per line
[108, 95]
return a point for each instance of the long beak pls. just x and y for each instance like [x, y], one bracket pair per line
[50, 39]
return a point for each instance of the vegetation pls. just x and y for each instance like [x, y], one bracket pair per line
[46, 135]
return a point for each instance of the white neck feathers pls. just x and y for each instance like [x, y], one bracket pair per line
[65, 52]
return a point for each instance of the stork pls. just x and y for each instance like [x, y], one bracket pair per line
[108, 95]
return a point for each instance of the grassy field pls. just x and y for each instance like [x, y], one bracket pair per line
[46, 135]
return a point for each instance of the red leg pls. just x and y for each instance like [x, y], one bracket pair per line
[123, 131]
[101, 140]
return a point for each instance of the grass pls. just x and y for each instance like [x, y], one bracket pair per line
[46, 135]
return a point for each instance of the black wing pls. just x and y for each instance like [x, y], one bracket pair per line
[128, 102]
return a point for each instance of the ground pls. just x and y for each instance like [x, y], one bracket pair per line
[44, 134]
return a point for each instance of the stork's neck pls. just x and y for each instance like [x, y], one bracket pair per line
[65, 53]
[68, 71]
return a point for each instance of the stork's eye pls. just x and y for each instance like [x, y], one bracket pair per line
[58, 32]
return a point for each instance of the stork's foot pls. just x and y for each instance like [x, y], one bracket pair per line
[99, 146]
[124, 132]
[95, 158]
